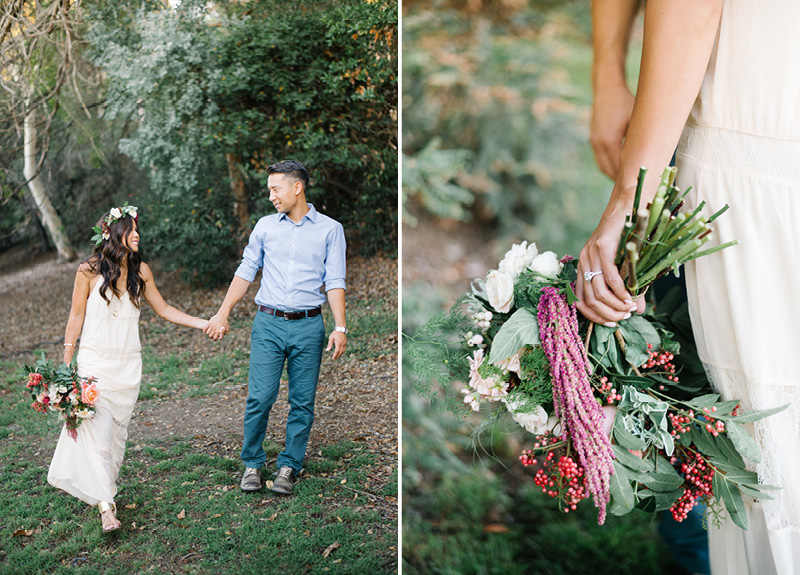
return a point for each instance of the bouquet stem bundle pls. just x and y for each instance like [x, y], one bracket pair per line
[658, 238]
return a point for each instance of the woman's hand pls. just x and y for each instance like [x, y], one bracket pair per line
[604, 298]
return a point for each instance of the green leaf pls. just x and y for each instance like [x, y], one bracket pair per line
[754, 415]
[708, 400]
[662, 481]
[662, 500]
[624, 437]
[622, 497]
[732, 498]
[743, 441]
[725, 445]
[706, 445]
[736, 474]
[632, 462]
[753, 492]
[521, 329]
[637, 333]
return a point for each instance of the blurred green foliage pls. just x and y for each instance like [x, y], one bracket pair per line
[181, 90]
[510, 91]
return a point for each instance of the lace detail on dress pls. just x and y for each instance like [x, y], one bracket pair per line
[778, 437]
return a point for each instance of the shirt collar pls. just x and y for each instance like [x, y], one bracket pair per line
[311, 215]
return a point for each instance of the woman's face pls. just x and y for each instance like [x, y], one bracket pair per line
[131, 241]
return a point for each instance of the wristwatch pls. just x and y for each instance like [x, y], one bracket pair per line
[340, 328]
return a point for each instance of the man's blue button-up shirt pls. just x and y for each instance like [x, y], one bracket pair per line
[296, 260]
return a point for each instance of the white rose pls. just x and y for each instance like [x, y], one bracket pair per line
[115, 213]
[500, 290]
[132, 212]
[535, 421]
[517, 259]
[546, 265]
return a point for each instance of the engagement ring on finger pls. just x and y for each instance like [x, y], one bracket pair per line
[589, 275]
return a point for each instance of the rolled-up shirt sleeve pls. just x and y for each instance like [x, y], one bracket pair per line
[253, 257]
[335, 260]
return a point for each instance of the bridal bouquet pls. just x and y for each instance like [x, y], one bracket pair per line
[60, 389]
[607, 408]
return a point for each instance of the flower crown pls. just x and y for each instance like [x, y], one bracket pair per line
[101, 232]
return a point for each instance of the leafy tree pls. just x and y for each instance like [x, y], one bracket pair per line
[220, 94]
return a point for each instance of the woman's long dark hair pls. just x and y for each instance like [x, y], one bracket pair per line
[108, 257]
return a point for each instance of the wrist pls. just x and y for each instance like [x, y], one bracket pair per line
[341, 329]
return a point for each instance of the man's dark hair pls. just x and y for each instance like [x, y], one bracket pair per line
[292, 169]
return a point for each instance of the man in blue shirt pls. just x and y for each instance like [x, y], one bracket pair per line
[298, 251]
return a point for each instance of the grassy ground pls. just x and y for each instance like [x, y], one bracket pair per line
[179, 497]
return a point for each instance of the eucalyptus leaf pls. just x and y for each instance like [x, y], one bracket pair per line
[706, 444]
[753, 492]
[737, 474]
[622, 497]
[662, 481]
[726, 446]
[631, 461]
[754, 415]
[662, 500]
[732, 498]
[743, 441]
[521, 329]
[708, 400]
[624, 437]
[638, 332]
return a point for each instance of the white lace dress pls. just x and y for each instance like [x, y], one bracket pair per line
[741, 146]
[110, 351]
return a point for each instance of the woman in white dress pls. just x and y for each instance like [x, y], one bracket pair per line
[730, 69]
[105, 304]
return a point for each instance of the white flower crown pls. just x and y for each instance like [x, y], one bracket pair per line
[101, 232]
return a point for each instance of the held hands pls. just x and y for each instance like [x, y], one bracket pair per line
[337, 341]
[217, 327]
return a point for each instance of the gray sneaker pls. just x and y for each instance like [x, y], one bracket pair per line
[284, 481]
[251, 480]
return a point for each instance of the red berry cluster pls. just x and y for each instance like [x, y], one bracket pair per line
[661, 361]
[713, 427]
[611, 394]
[698, 476]
[563, 479]
[680, 422]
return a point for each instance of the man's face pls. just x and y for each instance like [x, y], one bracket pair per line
[283, 192]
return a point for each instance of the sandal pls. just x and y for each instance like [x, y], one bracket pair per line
[110, 523]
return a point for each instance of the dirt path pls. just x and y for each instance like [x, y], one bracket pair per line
[356, 399]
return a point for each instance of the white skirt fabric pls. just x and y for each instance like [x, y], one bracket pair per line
[110, 351]
[741, 147]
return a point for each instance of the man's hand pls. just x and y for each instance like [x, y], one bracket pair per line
[338, 342]
[217, 327]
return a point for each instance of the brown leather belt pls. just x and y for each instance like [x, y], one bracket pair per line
[290, 314]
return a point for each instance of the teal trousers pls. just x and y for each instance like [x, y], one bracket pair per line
[274, 341]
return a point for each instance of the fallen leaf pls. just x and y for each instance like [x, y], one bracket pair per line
[131, 506]
[331, 548]
[23, 533]
[273, 517]
[343, 481]
[216, 515]
[182, 514]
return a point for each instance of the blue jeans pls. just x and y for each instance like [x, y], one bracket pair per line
[274, 340]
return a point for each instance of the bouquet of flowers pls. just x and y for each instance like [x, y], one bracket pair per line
[60, 389]
[610, 414]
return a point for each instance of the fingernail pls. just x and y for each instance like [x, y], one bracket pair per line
[628, 302]
[610, 324]
[627, 316]
[634, 308]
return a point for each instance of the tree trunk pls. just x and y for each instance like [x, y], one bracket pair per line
[239, 192]
[47, 213]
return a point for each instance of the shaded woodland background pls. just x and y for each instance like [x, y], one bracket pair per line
[496, 107]
[179, 107]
